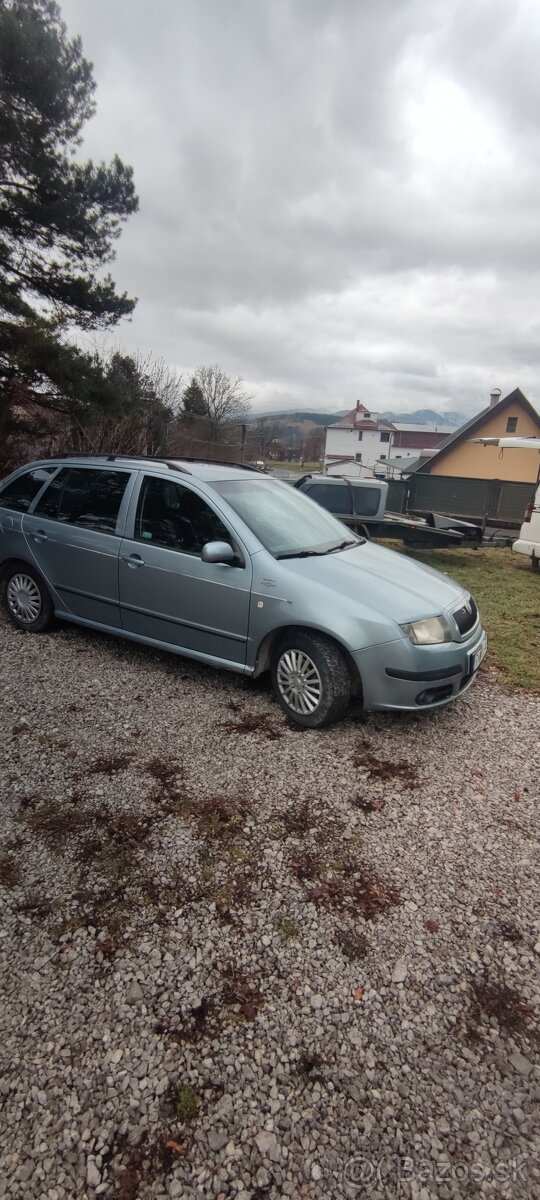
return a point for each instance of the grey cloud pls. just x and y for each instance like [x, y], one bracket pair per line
[336, 200]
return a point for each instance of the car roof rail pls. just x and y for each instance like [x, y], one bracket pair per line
[174, 464]
[222, 462]
[150, 458]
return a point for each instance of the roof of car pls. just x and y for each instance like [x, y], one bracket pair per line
[198, 468]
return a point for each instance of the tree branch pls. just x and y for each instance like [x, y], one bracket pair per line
[24, 187]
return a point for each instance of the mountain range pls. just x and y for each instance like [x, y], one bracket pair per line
[421, 416]
[426, 416]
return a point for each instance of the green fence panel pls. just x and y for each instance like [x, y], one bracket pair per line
[450, 495]
[396, 500]
[513, 500]
[496, 499]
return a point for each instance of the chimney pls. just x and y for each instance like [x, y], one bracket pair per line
[495, 396]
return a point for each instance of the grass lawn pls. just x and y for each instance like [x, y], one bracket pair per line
[507, 592]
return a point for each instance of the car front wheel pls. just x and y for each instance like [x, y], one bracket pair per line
[310, 679]
[26, 598]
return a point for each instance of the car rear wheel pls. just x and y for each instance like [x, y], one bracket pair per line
[310, 679]
[26, 598]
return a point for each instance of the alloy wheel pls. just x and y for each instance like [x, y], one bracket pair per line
[299, 682]
[24, 598]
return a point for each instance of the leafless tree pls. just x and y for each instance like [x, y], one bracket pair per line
[128, 433]
[261, 434]
[147, 395]
[226, 401]
[165, 383]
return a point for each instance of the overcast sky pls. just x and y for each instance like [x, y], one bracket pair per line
[339, 199]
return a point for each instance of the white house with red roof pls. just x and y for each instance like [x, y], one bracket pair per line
[364, 444]
[358, 444]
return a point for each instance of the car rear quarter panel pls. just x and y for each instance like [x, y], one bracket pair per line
[11, 535]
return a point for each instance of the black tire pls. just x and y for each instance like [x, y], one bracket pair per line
[37, 602]
[323, 670]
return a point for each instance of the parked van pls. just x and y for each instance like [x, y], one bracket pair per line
[529, 535]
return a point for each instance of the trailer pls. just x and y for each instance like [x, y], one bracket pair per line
[361, 504]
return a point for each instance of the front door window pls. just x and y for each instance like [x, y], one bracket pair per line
[173, 516]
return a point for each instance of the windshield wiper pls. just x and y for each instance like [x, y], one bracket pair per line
[343, 545]
[302, 554]
[320, 553]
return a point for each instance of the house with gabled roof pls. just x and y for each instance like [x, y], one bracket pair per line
[361, 443]
[459, 456]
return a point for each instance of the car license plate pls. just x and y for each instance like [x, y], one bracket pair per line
[479, 654]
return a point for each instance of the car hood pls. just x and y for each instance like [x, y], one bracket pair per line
[384, 580]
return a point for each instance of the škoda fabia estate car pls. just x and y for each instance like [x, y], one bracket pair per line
[226, 565]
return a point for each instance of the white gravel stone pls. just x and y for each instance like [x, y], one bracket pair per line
[521, 1064]
[217, 1139]
[93, 1177]
[134, 994]
[165, 950]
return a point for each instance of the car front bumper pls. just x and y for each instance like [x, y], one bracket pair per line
[399, 675]
[522, 546]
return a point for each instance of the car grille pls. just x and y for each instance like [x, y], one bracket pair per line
[466, 616]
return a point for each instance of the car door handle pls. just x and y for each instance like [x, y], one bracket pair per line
[133, 560]
[40, 536]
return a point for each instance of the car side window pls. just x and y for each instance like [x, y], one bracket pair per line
[335, 497]
[86, 497]
[19, 494]
[173, 516]
[366, 501]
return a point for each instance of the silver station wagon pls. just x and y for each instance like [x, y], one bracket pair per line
[231, 567]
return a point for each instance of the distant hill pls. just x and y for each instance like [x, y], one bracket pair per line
[292, 415]
[296, 432]
[421, 416]
[426, 416]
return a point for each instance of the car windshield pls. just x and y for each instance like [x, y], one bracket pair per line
[284, 521]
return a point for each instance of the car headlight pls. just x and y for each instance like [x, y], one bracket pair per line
[428, 632]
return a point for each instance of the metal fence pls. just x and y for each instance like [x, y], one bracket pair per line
[396, 500]
[510, 504]
[495, 500]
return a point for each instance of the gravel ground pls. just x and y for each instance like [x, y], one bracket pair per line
[242, 960]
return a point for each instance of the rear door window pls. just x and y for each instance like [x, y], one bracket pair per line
[335, 497]
[19, 494]
[86, 497]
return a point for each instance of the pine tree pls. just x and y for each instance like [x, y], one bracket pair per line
[59, 218]
[193, 402]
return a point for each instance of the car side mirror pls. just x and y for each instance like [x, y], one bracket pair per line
[218, 552]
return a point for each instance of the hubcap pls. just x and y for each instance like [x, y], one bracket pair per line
[299, 682]
[24, 598]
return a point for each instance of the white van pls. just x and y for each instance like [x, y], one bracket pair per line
[529, 535]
